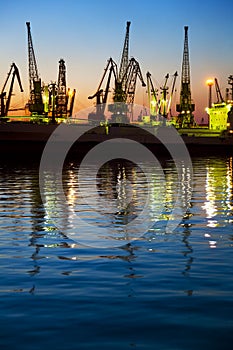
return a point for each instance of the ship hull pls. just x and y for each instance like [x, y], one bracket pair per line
[29, 140]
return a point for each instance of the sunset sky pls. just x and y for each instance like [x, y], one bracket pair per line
[86, 33]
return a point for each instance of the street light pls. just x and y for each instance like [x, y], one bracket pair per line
[210, 83]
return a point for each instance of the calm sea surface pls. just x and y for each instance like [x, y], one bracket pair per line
[169, 289]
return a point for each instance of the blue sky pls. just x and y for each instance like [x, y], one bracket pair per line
[86, 33]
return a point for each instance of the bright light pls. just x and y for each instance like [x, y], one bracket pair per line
[70, 93]
[209, 82]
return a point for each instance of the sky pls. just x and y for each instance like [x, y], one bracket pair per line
[87, 33]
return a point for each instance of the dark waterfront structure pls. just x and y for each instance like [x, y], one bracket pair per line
[186, 107]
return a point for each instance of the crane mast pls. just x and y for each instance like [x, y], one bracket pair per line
[35, 104]
[160, 107]
[186, 107]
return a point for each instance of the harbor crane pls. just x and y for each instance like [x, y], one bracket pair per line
[185, 107]
[124, 93]
[61, 97]
[152, 97]
[124, 85]
[125, 96]
[101, 94]
[219, 97]
[133, 71]
[35, 103]
[58, 100]
[160, 107]
[172, 92]
[3, 95]
[125, 82]
[65, 96]
[163, 99]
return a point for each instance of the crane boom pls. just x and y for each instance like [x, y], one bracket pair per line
[33, 71]
[218, 92]
[102, 94]
[152, 98]
[7, 78]
[133, 71]
[172, 92]
[125, 55]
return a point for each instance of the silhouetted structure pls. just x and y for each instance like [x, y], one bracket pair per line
[35, 103]
[186, 107]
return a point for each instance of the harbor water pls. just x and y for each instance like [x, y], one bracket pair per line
[164, 289]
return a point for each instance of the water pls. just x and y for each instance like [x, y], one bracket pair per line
[165, 290]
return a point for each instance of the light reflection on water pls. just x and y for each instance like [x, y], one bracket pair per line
[120, 204]
[164, 290]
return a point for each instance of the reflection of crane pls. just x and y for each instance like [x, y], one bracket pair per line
[186, 107]
[35, 104]
[5, 107]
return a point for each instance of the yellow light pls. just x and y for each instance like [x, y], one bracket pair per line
[70, 93]
[209, 82]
